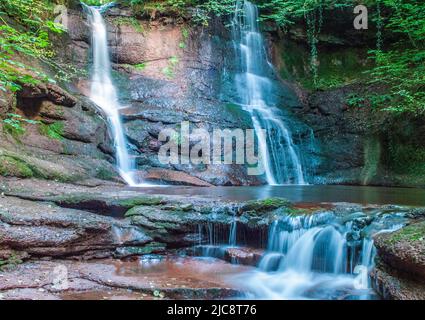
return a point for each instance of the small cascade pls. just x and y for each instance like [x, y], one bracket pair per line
[233, 232]
[280, 156]
[309, 257]
[104, 94]
[215, 239]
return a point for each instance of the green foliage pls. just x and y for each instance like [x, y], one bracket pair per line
[14, 124]
[201, 15]
[12, 167]
[205, 9]
[96, 2]
[169, 70]
[12, 261]
[24, 30]
[128, 21]
[53, 131]
[286, 12]
[399, 66]
[407, 158]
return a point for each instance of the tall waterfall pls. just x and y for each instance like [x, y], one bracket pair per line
[104, 94]
[280, 156]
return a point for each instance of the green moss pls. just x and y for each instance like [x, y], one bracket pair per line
[104, 174]
[12, 261]
[140, 201]
[301, 211]
[12, 167]
[169, 70]
[372, 157]
[53, 131]
[128, 21]
[149, 248]
[335, 68]
[265, 205]
[141, 66]
[411, 233]
[407, 159]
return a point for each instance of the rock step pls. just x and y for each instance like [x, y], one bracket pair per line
[150, 277]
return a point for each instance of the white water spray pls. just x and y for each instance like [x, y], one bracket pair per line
[278, 152]
[309, 257]
[104, 94]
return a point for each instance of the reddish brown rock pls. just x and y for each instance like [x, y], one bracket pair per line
[172, 177]
[404, 250]
[170, 278]
[245, 256]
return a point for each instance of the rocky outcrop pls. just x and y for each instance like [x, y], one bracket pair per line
[404, 250]
[55, 135]
[354, 141]
[63, 220]
[400, 271]
[172, 177]
[41, 229]
[170, 70]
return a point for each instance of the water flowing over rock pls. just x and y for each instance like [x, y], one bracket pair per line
[280, 156]
[103, 93]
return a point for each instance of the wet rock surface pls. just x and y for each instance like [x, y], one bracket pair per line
[400, 271]
[42, 229]
[393, 285]
[42, 219]
[404, 249]
[153, 277]
[168, 71]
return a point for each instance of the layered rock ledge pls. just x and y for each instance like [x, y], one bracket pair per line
[400, 269]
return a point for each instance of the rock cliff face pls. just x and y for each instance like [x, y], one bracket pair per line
[166, 72]
[355, 143]
[65, 139]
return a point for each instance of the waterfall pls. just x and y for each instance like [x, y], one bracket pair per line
[279, 155]
[104, 94]
[309, 257]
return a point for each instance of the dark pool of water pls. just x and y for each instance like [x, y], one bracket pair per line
[310, 193]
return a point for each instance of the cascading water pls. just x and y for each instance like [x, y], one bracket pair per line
[309, 257]
[280, 156]
[104, 94]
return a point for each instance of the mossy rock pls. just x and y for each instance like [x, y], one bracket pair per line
[404, 250]
[265, 205]
[141, 201]
[411, 233]
[25, 166]
[11, 167]
[153, 247]
[10, 259]
[185, 207]
[105, 174]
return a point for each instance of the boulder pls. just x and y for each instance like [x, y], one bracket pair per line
[42, 229]
[404, 250]
[172, 177]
